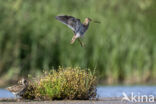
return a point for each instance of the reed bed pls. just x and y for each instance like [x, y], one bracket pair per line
[121, 49]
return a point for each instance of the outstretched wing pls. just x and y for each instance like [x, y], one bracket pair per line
[70, 21]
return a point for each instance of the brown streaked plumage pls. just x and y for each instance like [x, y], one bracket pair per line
[18, 90]
[75, 24]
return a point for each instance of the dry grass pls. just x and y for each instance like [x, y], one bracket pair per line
[65, 83]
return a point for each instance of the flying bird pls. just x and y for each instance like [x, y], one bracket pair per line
[20, 88]
[77, 27]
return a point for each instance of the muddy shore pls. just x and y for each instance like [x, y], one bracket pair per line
[98, 101]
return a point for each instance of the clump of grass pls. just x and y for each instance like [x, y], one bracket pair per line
[65, 83]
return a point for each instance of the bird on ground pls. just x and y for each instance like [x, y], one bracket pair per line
[20, 88]
[75, 24]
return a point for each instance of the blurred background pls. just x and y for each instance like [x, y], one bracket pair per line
[122, 49]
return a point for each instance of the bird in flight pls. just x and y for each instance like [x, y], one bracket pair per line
[75, 24]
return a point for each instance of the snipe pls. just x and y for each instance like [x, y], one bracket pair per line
[75, 24]
[20, 88]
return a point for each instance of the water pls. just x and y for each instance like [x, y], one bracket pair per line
[107, 91]
[117, 91]
[6, 94]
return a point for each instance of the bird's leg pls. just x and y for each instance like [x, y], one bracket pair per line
[81, 43]
[73, 39]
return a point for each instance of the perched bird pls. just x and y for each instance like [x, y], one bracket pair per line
[75, 24]
[18, 90]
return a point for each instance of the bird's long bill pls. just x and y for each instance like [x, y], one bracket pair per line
[96, 21]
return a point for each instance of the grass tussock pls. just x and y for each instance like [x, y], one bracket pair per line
[65, 83]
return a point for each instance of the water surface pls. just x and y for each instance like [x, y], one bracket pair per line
[117, 91]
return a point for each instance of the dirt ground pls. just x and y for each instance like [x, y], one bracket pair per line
[99, 101]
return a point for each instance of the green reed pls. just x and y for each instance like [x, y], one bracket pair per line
[121, 49]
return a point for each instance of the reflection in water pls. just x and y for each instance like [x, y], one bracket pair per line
[107, 91]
